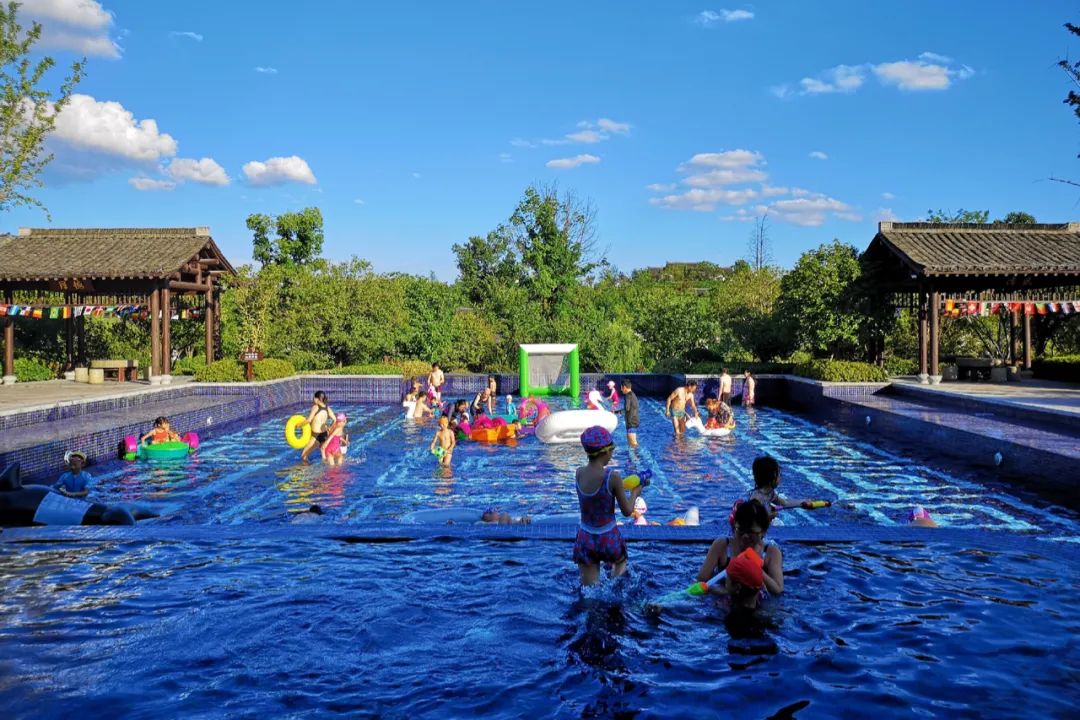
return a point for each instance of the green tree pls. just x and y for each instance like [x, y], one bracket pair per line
[1017, 218]
[817, 298]
[297, 237]
[1072, 70]
[960, 216]
[27, 112]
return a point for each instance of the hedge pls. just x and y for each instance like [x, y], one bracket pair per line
[1063, 367]
[188, 365]
[900, 366]
[413, 368]
[227, 370]
[738, 367]
[31, 370]
[841, 371]
[272, 369]
[369, 369]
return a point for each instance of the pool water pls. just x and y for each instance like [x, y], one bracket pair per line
[251, 475]
[309, 627]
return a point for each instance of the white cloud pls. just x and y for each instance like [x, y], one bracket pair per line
[358, 201]
[79, 25]
[186, 34]
[811, 211]
[266, 70]
[818, 155]
[725, 177]
[661, 187]
[729, 159]
[773, 191]
[279, 170]
[917, 75]
[111, 129]
[930, 72]
[708, 18]
[839, 79]
[506, 157]
[934, 57]
[587, 136]
[518, 142]
[204, 171]
[612, 126]
[572, 162]
[885, 215]
[145, 183]
[703, 200]
[417, 175]
[888, 196]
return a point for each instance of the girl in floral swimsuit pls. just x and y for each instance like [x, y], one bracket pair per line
[598, 489]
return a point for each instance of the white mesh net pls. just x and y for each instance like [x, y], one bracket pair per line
[549, 370]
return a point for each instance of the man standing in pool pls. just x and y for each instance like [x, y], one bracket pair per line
[319, 419]
[676, 406]
[435, 380]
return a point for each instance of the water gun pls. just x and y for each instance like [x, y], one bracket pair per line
[808, 505]
[696, 590]
[632, 481]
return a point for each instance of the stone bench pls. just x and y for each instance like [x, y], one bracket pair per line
[122, 369]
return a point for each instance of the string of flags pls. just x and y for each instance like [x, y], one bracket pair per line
[957, 308]
[64, 312]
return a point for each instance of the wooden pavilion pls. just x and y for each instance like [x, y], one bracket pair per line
[147, 268]
[1013, 271]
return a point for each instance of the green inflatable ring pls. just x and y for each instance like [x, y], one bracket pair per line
[173, 450]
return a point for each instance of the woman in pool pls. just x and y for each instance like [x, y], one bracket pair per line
[319, 418]
[751, 523]
[484, 402]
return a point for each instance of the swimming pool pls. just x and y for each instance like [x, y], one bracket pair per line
[251, 475]
[307, 627]
[232, 611]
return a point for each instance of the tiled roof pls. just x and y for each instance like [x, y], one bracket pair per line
[971, 249]
[52, 254]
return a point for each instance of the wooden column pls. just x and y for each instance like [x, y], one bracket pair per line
[69, 336]
[9, 339]
[1028, 350]
[155, 333]
[80, 333]
[923, 370]
[935, 304]
[208, 320]
[166, 339]
[1013, 320]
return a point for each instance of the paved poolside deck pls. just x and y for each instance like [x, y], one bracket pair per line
[1043, 395]
[22, 397]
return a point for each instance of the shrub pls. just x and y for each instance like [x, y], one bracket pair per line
[307, 360]
[900, 366]
[272, 369]
[31, 370]
[738, 367]
[227, 370]
[369, 369]
[841, 371]
[188, 365]
[411, 368]
[1063, 367]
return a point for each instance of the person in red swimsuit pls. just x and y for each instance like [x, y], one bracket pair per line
[599, 488]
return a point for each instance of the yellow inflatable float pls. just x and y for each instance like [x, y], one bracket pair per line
[297, 441]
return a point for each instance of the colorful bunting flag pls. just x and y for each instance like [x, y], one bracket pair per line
[3, 309]
[54, 313]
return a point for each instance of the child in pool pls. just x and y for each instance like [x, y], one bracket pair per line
[751, 522]
[498, 517]
[460, 413]
[745, 582]
[75, 482]
[766, 480]
[599, 488]
[421, 409]
[161, 432]
[446, 441]
[613, 395]
[337, 444]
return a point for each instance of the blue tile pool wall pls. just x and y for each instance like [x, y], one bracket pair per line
[1019, 413]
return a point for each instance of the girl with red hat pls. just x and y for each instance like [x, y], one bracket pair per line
[751, 522]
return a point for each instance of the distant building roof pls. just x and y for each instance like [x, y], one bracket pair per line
[944, 249]
[37, 254]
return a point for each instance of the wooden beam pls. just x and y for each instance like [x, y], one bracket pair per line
[189, 286]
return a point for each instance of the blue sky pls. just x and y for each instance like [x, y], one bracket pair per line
[414, 125]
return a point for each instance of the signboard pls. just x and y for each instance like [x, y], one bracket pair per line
[250, 357]
[71, 285]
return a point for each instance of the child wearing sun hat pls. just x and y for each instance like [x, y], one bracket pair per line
[76, 481]
[598, 489]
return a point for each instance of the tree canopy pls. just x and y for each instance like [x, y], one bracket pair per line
[297, 237]
[27, 110]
